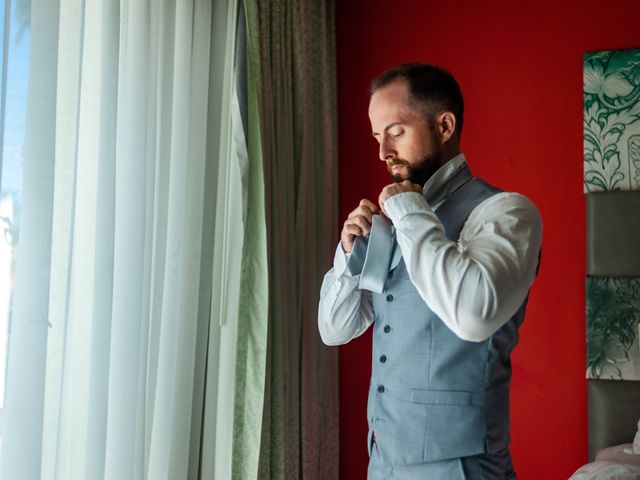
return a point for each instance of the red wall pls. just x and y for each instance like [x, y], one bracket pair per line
[520, 68]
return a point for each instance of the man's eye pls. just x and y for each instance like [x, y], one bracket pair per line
[396, 134]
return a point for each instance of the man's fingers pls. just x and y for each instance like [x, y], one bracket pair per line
[384, 195]
[349, 233]
[364, 206]
[361, 223]
[352, 230]
[396, 188]
[363, 211]
[373, 208]
[358, 223]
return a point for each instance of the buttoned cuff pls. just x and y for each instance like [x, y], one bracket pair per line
[405, 203]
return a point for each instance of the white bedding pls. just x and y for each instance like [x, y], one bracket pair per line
[607, 470]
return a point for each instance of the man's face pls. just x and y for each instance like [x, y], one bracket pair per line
[408, 144]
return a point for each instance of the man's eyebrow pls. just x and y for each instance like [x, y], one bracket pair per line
[391, 125]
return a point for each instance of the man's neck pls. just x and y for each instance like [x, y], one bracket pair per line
[450, 150]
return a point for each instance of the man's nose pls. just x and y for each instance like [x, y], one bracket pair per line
[386, 152]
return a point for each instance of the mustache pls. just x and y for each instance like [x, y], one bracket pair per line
[397, 162]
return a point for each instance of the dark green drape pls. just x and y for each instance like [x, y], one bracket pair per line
[291, 56]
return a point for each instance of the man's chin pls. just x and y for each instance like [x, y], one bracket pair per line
[399, 173]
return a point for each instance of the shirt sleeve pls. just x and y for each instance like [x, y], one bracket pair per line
[474, 285]
[344, 311]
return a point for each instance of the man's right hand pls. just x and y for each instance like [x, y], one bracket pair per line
[358, 223]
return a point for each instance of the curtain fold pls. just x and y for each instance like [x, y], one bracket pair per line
[114, 273]
[291, 55]
[229, 240]
[254, 301]
[27, 355]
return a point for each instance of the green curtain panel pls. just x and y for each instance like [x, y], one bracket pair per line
[291, 60]
[253, 311]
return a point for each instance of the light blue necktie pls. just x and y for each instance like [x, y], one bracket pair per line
[371, 256]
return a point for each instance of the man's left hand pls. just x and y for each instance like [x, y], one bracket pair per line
[394, 189]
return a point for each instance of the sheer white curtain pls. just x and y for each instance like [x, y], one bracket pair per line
[110, 328]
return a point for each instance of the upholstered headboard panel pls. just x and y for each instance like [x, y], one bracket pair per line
[612, 188]
[614, 411]
[613, 266]
[613, 234]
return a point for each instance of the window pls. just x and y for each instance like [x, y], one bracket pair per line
[14, 35]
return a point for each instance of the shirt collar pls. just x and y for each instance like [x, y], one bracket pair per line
[447, 179]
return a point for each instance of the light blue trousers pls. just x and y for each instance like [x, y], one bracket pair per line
[488, 466]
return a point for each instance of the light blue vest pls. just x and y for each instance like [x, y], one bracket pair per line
[434, 396]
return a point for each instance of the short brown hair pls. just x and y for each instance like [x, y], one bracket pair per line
[431, 87]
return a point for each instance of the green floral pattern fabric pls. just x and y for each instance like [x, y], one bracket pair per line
[612, 121]
[613, 323]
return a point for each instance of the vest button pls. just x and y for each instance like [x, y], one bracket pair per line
[383, 358]
[387, 329]
[380, 388]
[389, 298]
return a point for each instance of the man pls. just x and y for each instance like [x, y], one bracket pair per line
[455, 281]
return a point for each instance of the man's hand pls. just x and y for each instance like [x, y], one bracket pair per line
[357, 224]
[396, 188]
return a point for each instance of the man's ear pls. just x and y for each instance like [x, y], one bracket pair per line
[446, 122]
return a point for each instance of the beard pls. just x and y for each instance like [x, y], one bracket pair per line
[419, 172]
[424, 169]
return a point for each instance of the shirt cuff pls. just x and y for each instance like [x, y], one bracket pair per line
[402, 204]
[340, 260]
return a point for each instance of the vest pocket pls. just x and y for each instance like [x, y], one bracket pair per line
[455, 426]
[454, 430]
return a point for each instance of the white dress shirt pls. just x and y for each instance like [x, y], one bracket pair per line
[475, 285]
